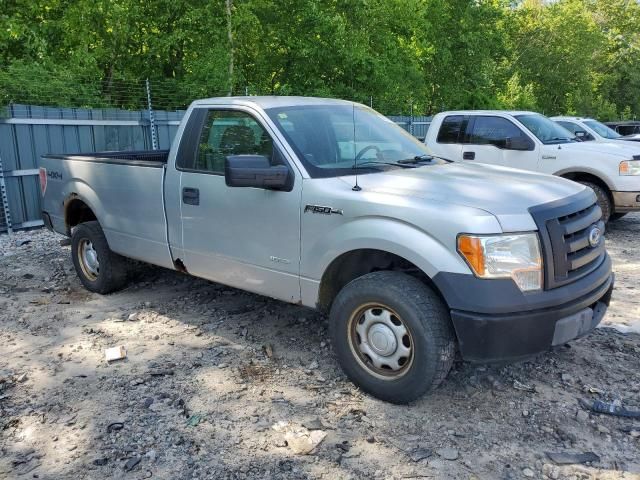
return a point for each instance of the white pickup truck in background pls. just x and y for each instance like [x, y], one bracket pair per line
[530, 141]
[590, 130]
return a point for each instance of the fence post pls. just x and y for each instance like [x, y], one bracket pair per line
[152, 119]
[4, 199]
[411, 119]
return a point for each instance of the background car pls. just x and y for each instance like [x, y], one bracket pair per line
[625, 127]
[591, 130]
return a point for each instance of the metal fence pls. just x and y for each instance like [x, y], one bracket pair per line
[27, 132]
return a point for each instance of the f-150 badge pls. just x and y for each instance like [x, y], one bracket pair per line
[322, 210]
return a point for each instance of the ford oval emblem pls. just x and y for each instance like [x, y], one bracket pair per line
[594, 236]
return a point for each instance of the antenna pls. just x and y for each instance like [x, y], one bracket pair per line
[356, 187]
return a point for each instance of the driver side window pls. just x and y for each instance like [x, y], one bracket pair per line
[228, 132]
[494, 131]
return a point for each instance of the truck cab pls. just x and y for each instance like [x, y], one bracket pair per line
[530, 141]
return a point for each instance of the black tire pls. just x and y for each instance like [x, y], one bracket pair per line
[426, 319]
[603, 199]
[111, 274]
[616, 216]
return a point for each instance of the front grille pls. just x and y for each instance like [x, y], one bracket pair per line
[565, 228]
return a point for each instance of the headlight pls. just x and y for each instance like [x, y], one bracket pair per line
[630, 167]
[514, 256]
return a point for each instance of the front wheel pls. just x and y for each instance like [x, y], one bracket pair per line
[392, 335]
[603, 199]
[100, 270]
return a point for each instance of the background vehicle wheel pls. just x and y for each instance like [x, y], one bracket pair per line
[604, 201]
[616, 216]
[100, 270]
[392, 335]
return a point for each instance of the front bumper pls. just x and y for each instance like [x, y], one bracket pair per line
[626, 201]
[532, 323]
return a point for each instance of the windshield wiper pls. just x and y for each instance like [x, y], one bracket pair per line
[421, 158]
[393, 164]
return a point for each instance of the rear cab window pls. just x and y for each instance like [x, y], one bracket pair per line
[451, 129]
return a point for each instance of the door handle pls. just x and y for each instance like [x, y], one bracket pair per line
[469, 156]
[191, 196]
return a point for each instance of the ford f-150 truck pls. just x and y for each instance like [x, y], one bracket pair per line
[531, 141]
[328, 204]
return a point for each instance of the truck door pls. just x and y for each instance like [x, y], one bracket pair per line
[498, 141]
[243, 237]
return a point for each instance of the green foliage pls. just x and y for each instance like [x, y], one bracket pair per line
[566, 56]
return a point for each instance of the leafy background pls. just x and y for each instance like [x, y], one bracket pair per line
[567, 56]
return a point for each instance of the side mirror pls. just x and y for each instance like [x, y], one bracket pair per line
[582, 136]
[518, 143]
[255, 171]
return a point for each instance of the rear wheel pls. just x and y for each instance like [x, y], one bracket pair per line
[392, 335]
[100, 270]
[603, 199]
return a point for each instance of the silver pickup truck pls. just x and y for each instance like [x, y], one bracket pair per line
[328, 204]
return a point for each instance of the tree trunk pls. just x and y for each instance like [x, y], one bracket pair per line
[231, 49]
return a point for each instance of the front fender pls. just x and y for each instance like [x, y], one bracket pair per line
[385, 234]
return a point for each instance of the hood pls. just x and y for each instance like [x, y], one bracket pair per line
[504, 192]
[621, 150]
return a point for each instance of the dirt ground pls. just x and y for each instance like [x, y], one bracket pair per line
[223, 384]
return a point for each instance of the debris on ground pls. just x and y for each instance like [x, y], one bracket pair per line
[565, 458]
[300, 440]
[614, 408]
[210, 369]
[115, 353]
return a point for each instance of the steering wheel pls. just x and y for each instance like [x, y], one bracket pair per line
[366, 149]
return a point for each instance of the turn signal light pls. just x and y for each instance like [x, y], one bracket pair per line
[471, 249]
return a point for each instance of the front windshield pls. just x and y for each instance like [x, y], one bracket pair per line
[601, 129]
[547, 131]
[331, 139]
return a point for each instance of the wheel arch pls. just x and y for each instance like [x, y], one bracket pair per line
[76, 211]
[353, 264]
[587, 175]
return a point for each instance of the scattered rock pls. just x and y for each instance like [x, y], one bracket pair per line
[151, 455]
[421, 453]
[565, 458]
[313, 424]
[131, 463]
[448, 453]
[300, 440]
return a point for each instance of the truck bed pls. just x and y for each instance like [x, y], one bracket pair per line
[124, 190]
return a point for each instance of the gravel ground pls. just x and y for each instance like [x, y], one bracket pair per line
[219, 383]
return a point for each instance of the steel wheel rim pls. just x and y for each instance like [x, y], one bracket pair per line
[380, 341]
[88, 260]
